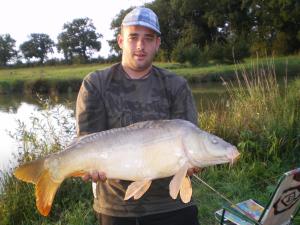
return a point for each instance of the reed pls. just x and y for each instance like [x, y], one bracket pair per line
[262, 119]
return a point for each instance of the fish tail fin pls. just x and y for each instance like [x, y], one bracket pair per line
[45, 187]
[30, 172]
[45, 191]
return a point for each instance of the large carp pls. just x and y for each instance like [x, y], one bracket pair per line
[140, 153]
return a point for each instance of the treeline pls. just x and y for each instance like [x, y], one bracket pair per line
[78, 41]
[224, 30]
[193, 31]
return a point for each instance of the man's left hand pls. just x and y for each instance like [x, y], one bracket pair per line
[194, 170]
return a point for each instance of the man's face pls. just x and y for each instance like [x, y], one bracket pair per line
[139, 45]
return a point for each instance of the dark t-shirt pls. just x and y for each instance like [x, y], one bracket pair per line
[110, 99]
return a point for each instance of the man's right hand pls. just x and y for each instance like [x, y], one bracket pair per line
[95, 176]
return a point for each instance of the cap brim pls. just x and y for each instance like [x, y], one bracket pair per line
[141, 23]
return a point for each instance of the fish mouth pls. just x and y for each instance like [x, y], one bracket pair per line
[233, 155]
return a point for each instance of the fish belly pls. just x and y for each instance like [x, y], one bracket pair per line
[153, 161]
[126, 156]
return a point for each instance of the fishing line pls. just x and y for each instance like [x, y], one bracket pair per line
[214, 190]
[225, 198]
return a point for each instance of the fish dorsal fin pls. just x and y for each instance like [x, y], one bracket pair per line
[178, 179]
[85, 139]
[186, 190]
[143, 124]
[137, 189]
[148, 124]
[93, 136]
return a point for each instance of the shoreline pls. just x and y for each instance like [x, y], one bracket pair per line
[68, 79]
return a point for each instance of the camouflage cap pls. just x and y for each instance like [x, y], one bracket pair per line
[142, 16]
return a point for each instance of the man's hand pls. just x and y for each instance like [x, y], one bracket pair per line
[194, 170]
[95, 176]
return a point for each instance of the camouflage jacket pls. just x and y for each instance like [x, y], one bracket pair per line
[110, 99]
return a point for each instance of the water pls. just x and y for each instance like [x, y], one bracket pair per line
[22, 109]
[14, 108]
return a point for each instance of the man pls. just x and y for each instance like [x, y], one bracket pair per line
[128, 92]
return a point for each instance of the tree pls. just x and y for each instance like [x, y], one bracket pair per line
[231, 29]
[116, 26]
[170, 26]
[79, 38]
[37, 46]
[7, 51]
[183, 24]
[278, 24]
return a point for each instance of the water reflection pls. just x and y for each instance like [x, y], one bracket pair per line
[23, 109]
[11, 103]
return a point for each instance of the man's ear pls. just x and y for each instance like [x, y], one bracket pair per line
[120, 41]
[158, 42]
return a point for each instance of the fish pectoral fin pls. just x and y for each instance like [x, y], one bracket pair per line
[177, 180]
[45, 191]
[137, 189]
[143, 190]
[186, 190]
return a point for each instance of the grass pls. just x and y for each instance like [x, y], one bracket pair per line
[263, 120]
[49, 79]
[261, 117]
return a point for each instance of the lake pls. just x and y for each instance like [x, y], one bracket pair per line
[20, 109]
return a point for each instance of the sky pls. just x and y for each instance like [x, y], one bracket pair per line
[20, 18]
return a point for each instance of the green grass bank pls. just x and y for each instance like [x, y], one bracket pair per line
[61, 79]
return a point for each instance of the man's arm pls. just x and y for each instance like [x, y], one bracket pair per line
[90, 110]
[183, 105]
[90, 117]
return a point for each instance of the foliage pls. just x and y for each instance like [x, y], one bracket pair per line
[221, 27]
[261, 114]
[37, 46]
[230, 52]
[230, 29]
[79, 38]
[190, 54]
[280, 44]
[116, 27]
[7, 51]
[262, 119]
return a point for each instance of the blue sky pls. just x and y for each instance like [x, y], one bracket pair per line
[20, 18]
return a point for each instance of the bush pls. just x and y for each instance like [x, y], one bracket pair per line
[190, 54]
[280, 45]
[178, 53]
[227, 52]
[238, 50]
[260, 49]
[162, 56]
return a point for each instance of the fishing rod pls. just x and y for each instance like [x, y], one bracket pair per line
[235, 206]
